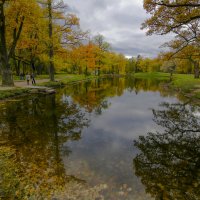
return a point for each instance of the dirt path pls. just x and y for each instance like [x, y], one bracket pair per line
[23, 84]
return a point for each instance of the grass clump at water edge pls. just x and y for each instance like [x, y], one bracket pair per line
[12, 93]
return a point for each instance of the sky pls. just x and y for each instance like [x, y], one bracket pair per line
[119, 21]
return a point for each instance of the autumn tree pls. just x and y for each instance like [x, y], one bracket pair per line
[83, 58]
[99, 40]
[182, 19]
[7, 51]
[63, 29]
[114, 63]
[91, 56]
[138, 60]
[103, 46]
[170, 15]
[119, 63]
[186, 45]
[130, 65]
[31, 43]
[169, 66]
[53, 10]
[74, 60]
[176, 4]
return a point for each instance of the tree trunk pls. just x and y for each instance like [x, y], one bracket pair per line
[17, 66]
[51, 71]
[7, 79]
[23, 68]
[33, 65]
[51, 52]
[5, 54]
[4, 60]
[196, 69]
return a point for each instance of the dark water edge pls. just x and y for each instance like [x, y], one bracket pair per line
[130, 136]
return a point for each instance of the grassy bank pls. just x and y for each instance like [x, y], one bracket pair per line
[61, 79]
[4, 94]
[184, 83]
[153, 75]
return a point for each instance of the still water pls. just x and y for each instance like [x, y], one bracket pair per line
[132, 136]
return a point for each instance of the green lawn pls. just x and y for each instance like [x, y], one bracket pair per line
[185, 83]
[72, 78]
[182, 81]
[153, 75]
[63, 79]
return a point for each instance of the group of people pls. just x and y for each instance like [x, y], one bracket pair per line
[32, 77]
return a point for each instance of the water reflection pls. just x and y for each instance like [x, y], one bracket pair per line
[104, 154]
[84, 133]
[169, 160]
[93, 95]
[38, 128]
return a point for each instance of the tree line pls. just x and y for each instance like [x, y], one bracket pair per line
[42, 36]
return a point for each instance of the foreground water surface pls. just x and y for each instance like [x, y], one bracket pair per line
[132, 136]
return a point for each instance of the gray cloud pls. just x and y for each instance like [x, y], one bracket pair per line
[119, 21]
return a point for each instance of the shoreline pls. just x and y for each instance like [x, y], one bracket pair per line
[9, 93]
[183, 84]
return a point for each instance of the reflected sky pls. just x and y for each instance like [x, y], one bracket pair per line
[89, 128]
[105, 152]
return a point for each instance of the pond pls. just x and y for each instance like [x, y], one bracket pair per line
[130, 137]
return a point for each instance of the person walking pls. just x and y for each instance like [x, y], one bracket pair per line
[28, 78]
[33, 79]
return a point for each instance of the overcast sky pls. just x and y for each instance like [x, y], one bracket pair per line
[119, 21]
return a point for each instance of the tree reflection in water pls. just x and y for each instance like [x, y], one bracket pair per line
[169, 160]
[38, 128]
[94, 95]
